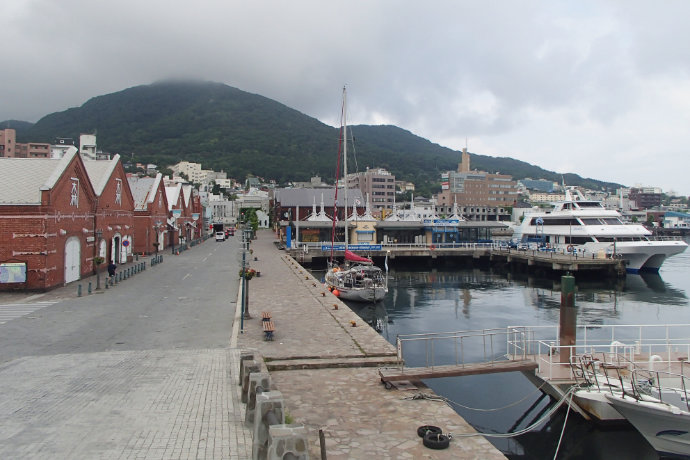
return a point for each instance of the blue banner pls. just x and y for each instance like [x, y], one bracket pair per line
[352, 247]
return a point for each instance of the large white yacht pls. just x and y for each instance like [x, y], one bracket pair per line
[586, 228]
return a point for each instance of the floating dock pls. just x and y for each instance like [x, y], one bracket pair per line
[483, 254]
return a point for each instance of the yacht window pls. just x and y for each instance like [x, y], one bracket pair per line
[579, 239]
[613, 221]
[605, 239]
[589, 204]
[558, 221]
[590, 221]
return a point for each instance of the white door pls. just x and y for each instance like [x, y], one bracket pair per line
[72, 259]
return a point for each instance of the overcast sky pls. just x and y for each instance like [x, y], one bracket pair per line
[597, 88]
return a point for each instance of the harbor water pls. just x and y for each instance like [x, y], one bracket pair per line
[462, 299]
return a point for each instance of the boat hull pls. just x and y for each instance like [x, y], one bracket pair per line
[648, 256]
[597, 406]
[362, 294]
[665, 427]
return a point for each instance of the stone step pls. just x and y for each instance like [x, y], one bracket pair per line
[330, 363]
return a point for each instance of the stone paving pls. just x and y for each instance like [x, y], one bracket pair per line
[182, 404]
[154, 404]
[360, 418]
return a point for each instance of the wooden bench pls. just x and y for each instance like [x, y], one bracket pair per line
[269, 328]
[265, 316]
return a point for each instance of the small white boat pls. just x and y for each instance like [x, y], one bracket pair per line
[660, 414]
[361, 282]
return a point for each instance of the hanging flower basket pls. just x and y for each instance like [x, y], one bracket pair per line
[98, 260]
[248, 273]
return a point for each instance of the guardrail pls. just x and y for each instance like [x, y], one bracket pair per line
[467, 347]
[638, 344]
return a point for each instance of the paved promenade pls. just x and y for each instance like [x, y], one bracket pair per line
[149, 368]
[360, 418]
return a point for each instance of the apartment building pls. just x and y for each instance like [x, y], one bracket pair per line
[9, 148]
[377, 184]
[476, 190]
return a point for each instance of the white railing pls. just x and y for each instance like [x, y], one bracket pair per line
[457, 348]
[642, 345]
[407, 246]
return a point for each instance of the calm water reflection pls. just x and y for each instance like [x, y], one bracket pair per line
[468, 299]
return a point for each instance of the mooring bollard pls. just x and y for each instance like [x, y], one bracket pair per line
[78, 290]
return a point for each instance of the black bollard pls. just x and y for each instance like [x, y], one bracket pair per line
[89, 288]
[78, 290]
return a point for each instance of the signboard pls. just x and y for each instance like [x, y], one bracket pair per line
[352, 247]
[13, 272]
[125, 243]
[441, 221]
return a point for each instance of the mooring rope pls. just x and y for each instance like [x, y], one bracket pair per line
[455, 403]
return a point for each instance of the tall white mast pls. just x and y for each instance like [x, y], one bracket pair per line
[345, 159]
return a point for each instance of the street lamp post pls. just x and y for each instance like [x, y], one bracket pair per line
[157, 227]
[99, 235]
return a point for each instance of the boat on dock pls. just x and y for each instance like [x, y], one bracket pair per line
[660, 413]
[578, 225]
[357, 279]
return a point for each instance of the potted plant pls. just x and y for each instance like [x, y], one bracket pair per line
[248, 273]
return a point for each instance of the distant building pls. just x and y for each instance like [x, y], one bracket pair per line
[32, 150]
[539, 185]
[9, 148]
[8, 141]
[377, 184]
[479, 192]
[61, 146]
[540, 197]
[676, 220]
[646, 198]
[315, 182]
[87, 146]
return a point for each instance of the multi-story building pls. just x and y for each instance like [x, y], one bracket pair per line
[32, 150]
[9, 148]
[476, 190]
[8, 141]
[377, 184]
[645, 197]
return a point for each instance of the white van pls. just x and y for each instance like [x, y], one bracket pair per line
[220, 236]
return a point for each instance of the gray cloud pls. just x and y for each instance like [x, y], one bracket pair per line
[576, 85]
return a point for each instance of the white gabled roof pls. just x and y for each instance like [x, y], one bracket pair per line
[187, 193]
[144, 190]
[23, 179]
[99, 172]
[172, 194]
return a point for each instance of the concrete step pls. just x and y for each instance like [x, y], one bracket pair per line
[330, 363]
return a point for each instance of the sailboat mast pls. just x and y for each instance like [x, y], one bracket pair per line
[345, 159]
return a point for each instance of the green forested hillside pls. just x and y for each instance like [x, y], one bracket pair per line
[227, 129]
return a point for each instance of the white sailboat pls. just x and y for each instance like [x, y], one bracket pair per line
[358, 279]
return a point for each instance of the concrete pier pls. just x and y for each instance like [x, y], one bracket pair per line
[327, 370]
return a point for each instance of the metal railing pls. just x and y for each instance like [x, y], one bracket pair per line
[645, 346]
[457, 348]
